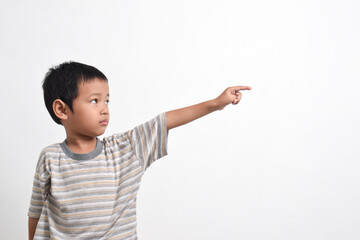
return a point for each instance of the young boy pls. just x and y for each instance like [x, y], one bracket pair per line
[86, 188]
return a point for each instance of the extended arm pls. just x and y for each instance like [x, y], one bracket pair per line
[185, 115]
[32, 227]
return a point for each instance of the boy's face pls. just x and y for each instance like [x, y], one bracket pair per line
[90, 115]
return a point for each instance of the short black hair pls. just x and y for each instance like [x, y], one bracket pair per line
[61, 82]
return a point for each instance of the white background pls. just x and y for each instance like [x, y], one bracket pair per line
[282, 164]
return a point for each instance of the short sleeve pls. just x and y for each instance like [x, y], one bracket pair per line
[149, 140]
[40, 190]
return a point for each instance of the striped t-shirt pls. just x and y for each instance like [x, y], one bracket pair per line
[93, 195]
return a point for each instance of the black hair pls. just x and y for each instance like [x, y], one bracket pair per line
[61, 82]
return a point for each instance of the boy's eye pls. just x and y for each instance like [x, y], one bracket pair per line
[107, 102]
[94, 101]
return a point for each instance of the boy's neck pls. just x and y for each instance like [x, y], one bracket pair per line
[81, 145]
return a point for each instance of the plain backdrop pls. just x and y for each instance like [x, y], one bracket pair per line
[282, 164]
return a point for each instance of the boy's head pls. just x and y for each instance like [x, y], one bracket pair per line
[72, 85]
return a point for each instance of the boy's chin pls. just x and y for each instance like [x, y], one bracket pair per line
[93, 134]
[100, 133]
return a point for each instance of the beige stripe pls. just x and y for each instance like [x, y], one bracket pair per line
[101, 183]
[66, 229]
[124, 235]
[163, 132]
[123, 222]
[116, 141]
[127, 176]
[54, 149]
[92, 213]
[103, 227]
[36, 202]
[154, 145]
[81, 199]
[36, 189]
[83, 185]
[43, 232]
[143, 141]
[90, 170]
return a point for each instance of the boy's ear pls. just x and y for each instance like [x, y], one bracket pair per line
[60, 109]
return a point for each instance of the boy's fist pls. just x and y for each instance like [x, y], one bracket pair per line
[230, 95]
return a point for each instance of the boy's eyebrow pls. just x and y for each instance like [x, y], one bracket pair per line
[97, 94]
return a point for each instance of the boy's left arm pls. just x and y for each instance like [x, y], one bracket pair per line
[185, 115]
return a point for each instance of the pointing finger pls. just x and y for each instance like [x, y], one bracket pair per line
[238, 88]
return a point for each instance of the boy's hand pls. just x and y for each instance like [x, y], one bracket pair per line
[230, 95]
[185, 115]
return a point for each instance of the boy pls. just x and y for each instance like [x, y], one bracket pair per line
[85, 188]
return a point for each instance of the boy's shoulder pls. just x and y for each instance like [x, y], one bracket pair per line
[55, 148]
[115, 138]
[46, 155]
[50, 151]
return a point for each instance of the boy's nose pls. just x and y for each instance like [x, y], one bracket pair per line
[105, 110]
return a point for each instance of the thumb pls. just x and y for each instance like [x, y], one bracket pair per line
[237, 98]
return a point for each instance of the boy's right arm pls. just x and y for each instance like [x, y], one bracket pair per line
[32, 227]
[185, 115]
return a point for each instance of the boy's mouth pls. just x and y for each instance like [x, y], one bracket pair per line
[104, 122]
